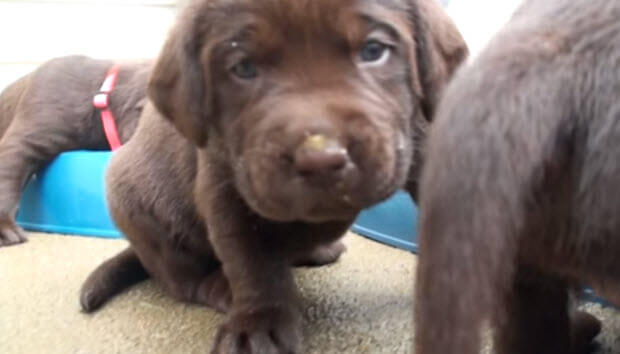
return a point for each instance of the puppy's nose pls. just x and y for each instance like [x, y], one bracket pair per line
[320, 154]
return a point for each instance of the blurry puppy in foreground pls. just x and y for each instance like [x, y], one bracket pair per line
[270, 125]
[519, 196]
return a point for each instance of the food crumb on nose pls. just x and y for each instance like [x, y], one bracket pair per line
[315, 142]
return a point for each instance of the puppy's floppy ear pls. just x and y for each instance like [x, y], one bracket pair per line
[437, 51]
[440, 49]
[180, 84]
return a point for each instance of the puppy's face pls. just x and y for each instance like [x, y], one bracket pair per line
[314, 100]
[310, 101]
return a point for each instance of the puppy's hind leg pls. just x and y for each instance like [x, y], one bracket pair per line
[472, 217]
[321, 255]
[465, 266]
[190, 272]
[125, 270]
[195, 278]
[538, 318]
[110, 278]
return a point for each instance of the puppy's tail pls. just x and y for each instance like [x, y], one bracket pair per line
[110, 278]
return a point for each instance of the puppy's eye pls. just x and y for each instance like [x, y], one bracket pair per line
[374, 52]
[245, 69]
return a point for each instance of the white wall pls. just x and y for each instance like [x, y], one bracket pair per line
[479, 20]
[34, 31]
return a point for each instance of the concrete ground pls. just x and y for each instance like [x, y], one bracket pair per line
[362, 304]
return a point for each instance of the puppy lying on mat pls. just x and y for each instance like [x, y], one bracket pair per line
[51, 110]
[518, 196]
[270, 124]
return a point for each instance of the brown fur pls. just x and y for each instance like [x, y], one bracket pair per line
[50, 111]
[214, 151]
[519, 193]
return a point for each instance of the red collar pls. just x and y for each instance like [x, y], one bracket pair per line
[101, 101]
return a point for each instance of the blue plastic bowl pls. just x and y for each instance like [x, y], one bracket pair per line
[68, 197]
[393, 222]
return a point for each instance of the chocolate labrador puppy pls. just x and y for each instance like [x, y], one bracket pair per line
[271, 124]
[518, 196]
[50, 111]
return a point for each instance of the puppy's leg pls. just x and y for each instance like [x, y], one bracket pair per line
[537, 318]
[191, 274]
[13, 177]
[110, 278]
[468, 249]
[125, 269]
[265, 316]
[321, 255]
[188, 279]
[459, 279]
[24, 148]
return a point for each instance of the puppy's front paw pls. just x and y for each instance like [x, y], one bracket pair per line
[260, 331]
[10, 233]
